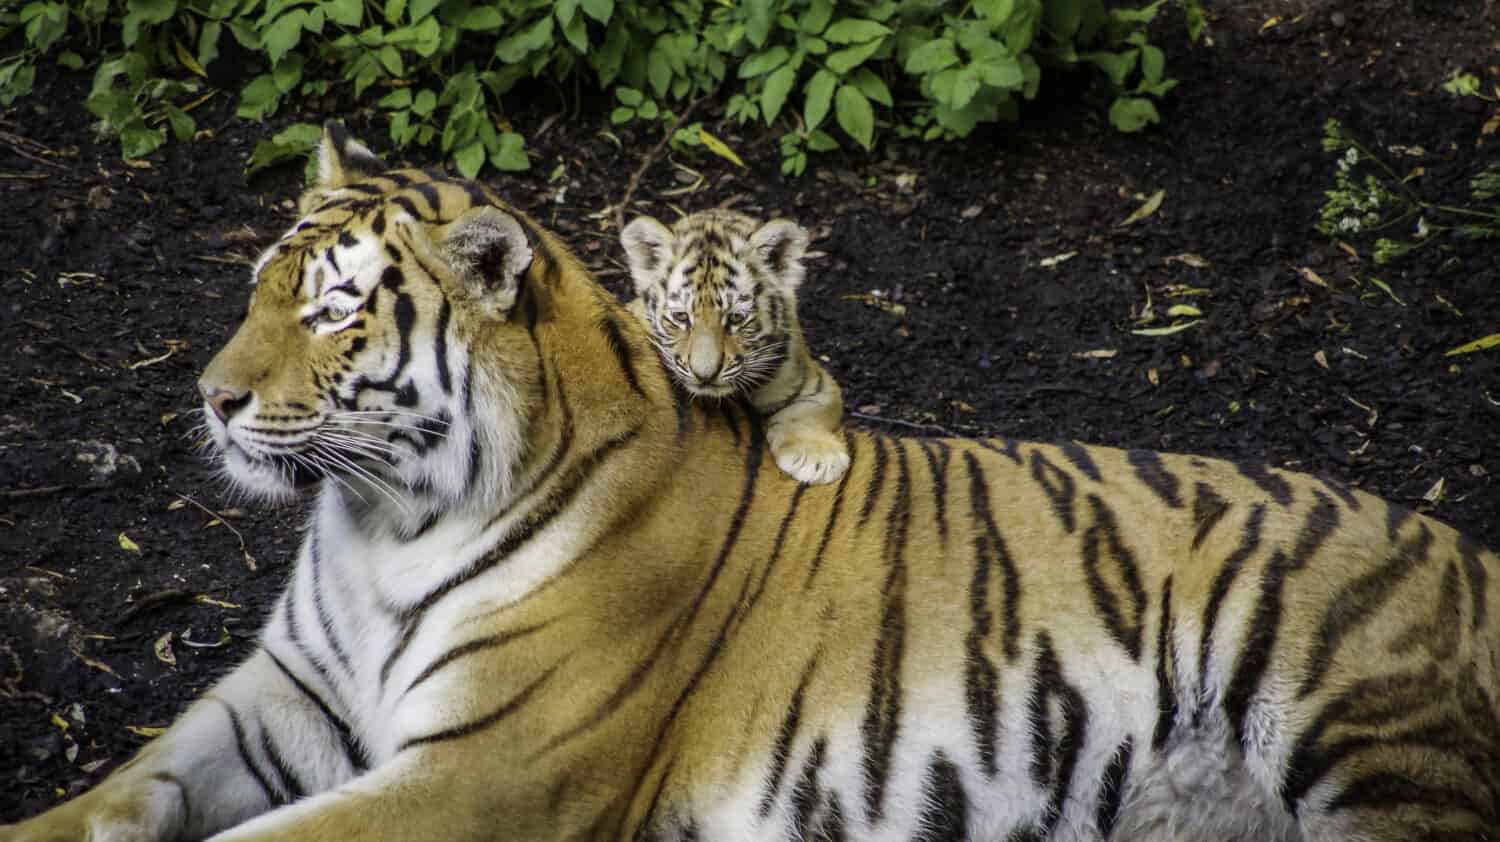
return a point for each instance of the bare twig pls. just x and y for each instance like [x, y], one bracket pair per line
[910, 425]
[150, 602]
[640, 172]
[244, 550]
[29, 149]
[23, 493]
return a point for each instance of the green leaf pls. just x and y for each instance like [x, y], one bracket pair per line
[629, 96]
[565, 11]
[259, 98]
[1145, 14]
[855, 116]
[762, 63]
[758, 21]
[70, 60]
[481, 19]
[282, 36]
[936, 54]
[855, 31]
[424, 102]
[511, 155]
[1152, 63]
[390, 59]
[208, 42]
[872, 86]
[418, 10]
[849, 58]
[515, 48]
[1115, 65]
[295, 141]
[144, 13]
[1131, 114]
[821, 141]
[995, 11]
[773, 95]
[138, 141]
[621, 115]
[659, 71]
[393, 10]
[1001, 72]
[599, 10]
[288, 72]
[817, 97]
[815, 19]
[344, 12]
[182, 125]
[965, 86]
[577, 33]
[470, 158]
[395, 100]
[649, 110]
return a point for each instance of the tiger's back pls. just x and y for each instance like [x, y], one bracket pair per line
[1020, 640]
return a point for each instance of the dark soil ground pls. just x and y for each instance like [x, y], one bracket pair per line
[128, 579]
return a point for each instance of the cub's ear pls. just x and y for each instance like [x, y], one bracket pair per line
[487, 251]
[780, 244]
[342, 160]
[648, 247]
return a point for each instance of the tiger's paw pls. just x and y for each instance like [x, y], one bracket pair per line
[815, 457]
[115, 811]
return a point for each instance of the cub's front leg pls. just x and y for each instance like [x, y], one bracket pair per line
[804, 434]
[257, 740]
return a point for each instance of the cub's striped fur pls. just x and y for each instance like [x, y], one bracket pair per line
[541, 598]
[718, 291]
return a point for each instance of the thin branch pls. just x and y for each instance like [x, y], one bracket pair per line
[244, 550]
[910, 425]
[640, 172]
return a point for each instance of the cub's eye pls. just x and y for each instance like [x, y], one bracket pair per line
[679, 317]
[737, 318]
[336, 312]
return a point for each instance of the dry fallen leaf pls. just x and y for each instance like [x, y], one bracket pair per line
[1434, 494]
[718, 147]
[1321, 358]
[1313, 277]
[146, 730]
[163, 650]
[127, 544]
[1165, 331]
[1146, 209]
[1054, 260]
[1153, 377]
[1197, 261]
[1096, 354]
[1477, 345]
[1183, 310]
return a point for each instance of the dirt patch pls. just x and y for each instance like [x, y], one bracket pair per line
[126, 577]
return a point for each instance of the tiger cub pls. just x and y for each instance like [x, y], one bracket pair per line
[718, 292]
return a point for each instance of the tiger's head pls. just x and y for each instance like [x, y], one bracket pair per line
[719, 291]
[373, 352]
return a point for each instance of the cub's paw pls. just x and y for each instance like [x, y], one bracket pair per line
[815, 457]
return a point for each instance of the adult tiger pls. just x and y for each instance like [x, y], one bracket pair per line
[560, 605]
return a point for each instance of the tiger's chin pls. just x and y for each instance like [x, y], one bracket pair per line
[278, 481]
[711, 391]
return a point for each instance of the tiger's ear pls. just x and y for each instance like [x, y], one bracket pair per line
[648, 247]
[487, 251]
[342, 160]
[779, 245]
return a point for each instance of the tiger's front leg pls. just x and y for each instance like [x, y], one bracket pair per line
[254, 742]
[804, 434]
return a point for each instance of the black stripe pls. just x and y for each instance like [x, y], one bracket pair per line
[775, 557]
[1057, 484]
[1260, 474]
[883, 712]
[833, 514]
[945, 810]
[784, 738]
[1208, 509]
[1341, 491]
[1357, 601]
[470, 647]
[1249, 543]
[1395, 516]
[353, 751]
[831, 826]
[877, 479]
[271, 795]
[646, 830]
[440, 350]
[989, 546]
[1124, 611]
[1006, 448]
[981, 681]
[1259, 643]
[290, 784]
[1439, 635]
[1079, 456]
[294, 634]
[614, 336]
[1478, 579]
[937, 454]
[1112, 789]
[1390, 790]
[474, 726]
[1150, 470]
[1053, 761]
[325, 620]
[1166, 671]
[806, 793]
[429, 194]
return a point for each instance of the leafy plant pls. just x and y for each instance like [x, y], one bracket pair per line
[1370, 198]
[437, 72]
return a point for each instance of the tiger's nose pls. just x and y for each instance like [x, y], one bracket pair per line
[223, 402]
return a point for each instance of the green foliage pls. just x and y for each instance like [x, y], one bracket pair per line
[1369, 198]
[437, 71]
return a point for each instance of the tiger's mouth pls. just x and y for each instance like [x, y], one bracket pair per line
[711, 389]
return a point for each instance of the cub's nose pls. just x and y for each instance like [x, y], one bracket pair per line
[223, 402]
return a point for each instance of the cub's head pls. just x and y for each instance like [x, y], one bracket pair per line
[719, 291]
[370, 349]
